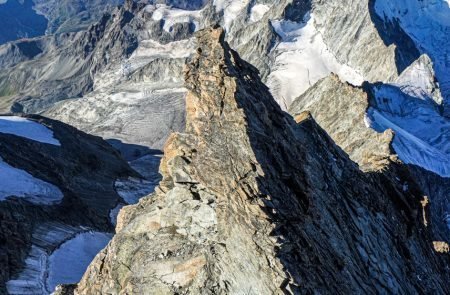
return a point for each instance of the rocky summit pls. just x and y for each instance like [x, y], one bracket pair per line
[254, 202]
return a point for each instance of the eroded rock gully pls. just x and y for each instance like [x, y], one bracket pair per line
[252, 202]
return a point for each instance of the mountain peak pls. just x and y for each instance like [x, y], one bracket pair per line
[251, 200]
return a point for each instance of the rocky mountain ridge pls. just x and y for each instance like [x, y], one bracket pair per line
[372, 74]
[270, 206]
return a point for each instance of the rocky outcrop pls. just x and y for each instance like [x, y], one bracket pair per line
[83, 167]
[340, 109]
[344, 111]
[95, 79]
[253, 202]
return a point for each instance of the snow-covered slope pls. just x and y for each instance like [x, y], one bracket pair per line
[408, 106]
[17, 182]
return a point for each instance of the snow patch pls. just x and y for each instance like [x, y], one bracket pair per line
[302, 59]
[19, 183]
[24, 127]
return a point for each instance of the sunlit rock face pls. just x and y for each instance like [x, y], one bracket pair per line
[259, 193]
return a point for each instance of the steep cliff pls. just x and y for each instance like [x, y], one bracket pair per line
[253, 202]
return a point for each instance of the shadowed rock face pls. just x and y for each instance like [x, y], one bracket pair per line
[84, 168]
[253, 202]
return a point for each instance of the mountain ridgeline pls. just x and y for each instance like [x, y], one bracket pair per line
[253, 201]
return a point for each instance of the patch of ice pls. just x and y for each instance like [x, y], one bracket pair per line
[302, 59]
[19, 183]
[45, 267]
[68, 263]
[24, 127]
[257, 12]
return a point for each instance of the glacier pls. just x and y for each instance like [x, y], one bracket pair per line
[55, 247]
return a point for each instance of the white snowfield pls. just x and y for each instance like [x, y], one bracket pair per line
[302, 59]
[19, 183]
[24, 127]
[172, 16]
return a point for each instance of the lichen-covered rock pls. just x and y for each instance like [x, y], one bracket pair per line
[252, 202]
